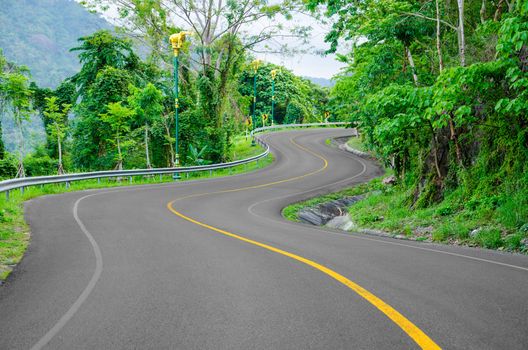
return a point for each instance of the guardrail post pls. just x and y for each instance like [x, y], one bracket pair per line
[130, 179]
[187, 175]
[98, 180]
[7, 195]
[161, 177]
[210, 173]
[22, 190]
[67, 184]
[257, 163]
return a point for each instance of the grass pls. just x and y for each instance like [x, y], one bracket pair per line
[15, 233]
[357, 143]
[386, 208]
[290, 212]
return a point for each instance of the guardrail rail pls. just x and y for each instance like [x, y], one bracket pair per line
[20, 183]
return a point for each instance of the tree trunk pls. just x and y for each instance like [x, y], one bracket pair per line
[438, 43]
[119, 156]
[434, 143]
[461, 33]
[454, 137]
[147, 155]
[413, 67]
[60, 169]
[21, 172]
[498, 12]
[2, 146]
[483, 12]
[171, 150]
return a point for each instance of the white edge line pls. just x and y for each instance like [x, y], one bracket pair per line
[89, 288]
[360, 235]
[98, 258]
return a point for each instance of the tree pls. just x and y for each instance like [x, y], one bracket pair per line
[445, 129]
[18, 95]
[3, 97]
[90, 133]
[118, 119]
[65, 95]
[147, 103]
[99, 51]
[57, 126]
[290, 90]
[218, 48]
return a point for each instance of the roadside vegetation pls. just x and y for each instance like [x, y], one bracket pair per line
[385, 208]
[357, 143]
[438, 90]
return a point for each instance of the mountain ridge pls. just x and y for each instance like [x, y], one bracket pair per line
[39, 33]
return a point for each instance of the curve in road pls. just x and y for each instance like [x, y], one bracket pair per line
[170, 283]
[407, 326]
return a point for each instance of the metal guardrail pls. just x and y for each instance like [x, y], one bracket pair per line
[20, 183]
[282, 126]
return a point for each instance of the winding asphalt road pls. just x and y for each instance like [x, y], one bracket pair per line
[212, 265]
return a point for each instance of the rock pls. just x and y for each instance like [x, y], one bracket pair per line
[474, 233]
[308, 216]
[324, 212]
[524, 243]
[391, 180]
[341, 223]
[348, 201]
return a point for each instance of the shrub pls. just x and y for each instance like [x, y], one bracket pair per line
[40, 165]
[513, 211]
[8, 167]
[513, 241]
[444, 210]
[489, 238]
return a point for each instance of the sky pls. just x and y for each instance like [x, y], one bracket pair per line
[307, 64]
[313, 65]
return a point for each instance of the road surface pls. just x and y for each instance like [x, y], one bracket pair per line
[211, 264]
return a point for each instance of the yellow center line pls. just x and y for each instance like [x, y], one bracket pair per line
[407, 326]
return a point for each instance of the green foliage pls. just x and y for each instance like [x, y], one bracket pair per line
[118, 119]
[195, 155]
[447, 130]
[40, 163]
[100, 51]
[296, 99]
[489, 238]
[8, 167]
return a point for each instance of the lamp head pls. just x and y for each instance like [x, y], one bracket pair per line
[274, 73]
[255, 65]
[177, 40]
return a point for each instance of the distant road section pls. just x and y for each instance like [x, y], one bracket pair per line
[211, 264]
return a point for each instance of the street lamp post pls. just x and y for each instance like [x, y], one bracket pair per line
[176, 41]
[273, 76]
[255, 65]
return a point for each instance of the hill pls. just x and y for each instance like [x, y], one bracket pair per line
[321, 81]
[39, 33]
